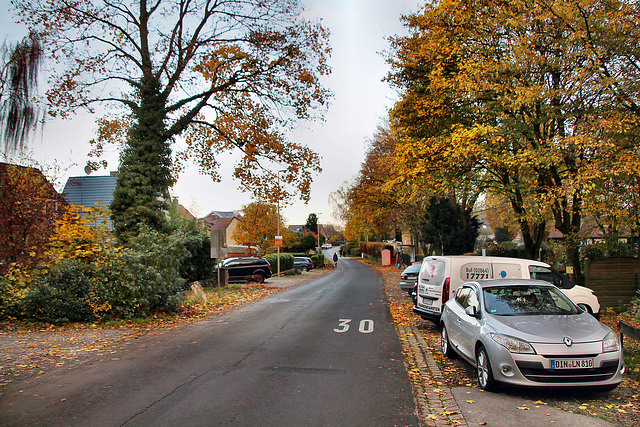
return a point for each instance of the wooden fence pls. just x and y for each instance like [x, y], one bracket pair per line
[614, 280]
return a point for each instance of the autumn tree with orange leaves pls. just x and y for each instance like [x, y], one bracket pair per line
[259, 227]
[228, 76]
[535, 102]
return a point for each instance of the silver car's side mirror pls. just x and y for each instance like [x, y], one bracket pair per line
[472, 311]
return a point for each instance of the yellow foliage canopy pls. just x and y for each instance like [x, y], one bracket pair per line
[535, 102]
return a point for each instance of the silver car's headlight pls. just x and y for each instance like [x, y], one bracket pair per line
[513, 345]
[610, 343]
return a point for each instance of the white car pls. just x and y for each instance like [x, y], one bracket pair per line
[327, 246]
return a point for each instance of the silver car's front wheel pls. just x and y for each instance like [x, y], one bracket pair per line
[445, 345]
[483, 367]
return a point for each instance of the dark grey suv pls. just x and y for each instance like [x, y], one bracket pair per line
[409, 277]
[245, 269]
[302, 263]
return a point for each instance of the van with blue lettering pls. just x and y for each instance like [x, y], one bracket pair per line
[440, 276]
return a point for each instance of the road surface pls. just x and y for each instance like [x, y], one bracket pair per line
[325, 353]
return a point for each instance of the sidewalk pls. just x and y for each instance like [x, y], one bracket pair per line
[435, 401]
[296, 279]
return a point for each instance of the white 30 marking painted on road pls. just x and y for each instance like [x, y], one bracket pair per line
[365, 327]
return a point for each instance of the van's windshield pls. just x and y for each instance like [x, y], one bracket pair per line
[549, 275]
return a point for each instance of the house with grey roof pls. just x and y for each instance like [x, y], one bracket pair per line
[214, 216]
[89, 191]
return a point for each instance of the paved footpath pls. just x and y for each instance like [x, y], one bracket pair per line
[436, 403]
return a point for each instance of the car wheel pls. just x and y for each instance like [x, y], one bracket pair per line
[483, 368]
[259, 277]
[304, 269]
[445, 344]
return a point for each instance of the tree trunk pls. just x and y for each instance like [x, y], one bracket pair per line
[533, 235]
[568, 222]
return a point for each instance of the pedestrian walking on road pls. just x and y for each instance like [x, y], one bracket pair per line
[335, 259]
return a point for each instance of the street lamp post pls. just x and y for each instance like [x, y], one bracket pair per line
[278, 201]
[318, 227]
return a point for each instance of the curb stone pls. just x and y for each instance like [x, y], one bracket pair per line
[434, 400]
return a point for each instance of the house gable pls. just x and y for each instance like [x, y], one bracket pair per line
[89, 191]
[229, 225]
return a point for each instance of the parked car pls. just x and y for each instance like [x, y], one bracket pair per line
[409, 277]
[327, 246]
[440, 276]
[302, 263]
[244, 269]
[526, 332]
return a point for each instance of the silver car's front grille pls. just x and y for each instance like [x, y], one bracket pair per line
[534, 371]
[564, 356]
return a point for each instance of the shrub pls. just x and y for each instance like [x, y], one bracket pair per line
[286, 262]
[63, 294]
[594, 251]
[127, 288]
[318, 260]
[100, 281]
[88, 278]
[198, 265]
[155, 261]
[555, 254]
[373, 249]
[496, 250]
[14, 286]
[503, 234]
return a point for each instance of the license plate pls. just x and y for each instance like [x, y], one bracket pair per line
[427, 301]
[571, 363]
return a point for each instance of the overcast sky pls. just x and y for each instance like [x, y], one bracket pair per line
[359, 31]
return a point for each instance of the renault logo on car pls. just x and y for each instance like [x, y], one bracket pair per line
[568, 341]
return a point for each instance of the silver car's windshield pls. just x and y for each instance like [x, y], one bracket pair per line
[526, 300]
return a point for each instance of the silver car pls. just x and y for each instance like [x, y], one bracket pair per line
[528, 333]
[409, 277]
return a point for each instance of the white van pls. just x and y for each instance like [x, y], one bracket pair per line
[440, 276]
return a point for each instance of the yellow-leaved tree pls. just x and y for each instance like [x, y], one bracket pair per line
[533, 101]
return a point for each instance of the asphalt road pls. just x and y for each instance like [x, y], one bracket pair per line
[324, 353]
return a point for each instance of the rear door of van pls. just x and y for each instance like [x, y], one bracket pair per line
[431, 279]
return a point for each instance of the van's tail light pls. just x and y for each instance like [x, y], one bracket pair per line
[445, 290]
[403, 276]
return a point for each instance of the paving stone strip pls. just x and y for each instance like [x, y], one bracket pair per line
[435, 402]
